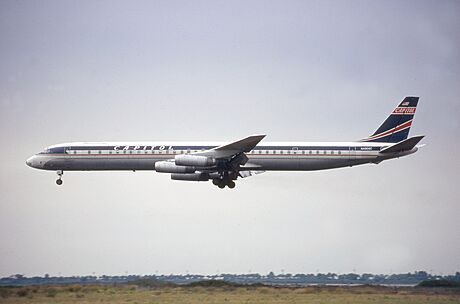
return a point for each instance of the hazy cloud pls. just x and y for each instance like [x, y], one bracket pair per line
[219, 70]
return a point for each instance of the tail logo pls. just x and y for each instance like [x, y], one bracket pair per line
[404, 111]
[396, 127]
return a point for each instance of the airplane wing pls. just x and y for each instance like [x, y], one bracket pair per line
[243, 145]
[222, 164]
[234, 148]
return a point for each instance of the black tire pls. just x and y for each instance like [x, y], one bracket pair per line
[59, 182]
[231, 184]
[221, 185]
[216, 181]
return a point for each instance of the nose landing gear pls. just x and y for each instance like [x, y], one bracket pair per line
[59, 180]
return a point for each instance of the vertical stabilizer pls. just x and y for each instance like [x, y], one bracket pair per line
[396, 127]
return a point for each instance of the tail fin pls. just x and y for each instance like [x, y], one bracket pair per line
[396, 127]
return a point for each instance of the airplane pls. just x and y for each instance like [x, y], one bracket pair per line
[223, 163]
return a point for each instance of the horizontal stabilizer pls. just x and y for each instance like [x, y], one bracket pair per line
[405, 145]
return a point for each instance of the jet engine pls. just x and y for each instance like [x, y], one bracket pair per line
[171, 167]
[194, 160]
[195, 177]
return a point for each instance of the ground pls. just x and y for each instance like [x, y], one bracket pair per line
[226, 294]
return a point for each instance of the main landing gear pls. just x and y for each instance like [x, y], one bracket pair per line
[59, 180]
[225, 178]
[221, 183]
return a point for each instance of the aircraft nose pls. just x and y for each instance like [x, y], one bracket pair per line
[29, 161]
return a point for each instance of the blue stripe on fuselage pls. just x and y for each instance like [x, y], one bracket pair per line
[61, 150]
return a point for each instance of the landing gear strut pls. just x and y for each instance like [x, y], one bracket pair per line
[59, 180]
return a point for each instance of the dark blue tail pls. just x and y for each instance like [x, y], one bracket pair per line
[396, 127]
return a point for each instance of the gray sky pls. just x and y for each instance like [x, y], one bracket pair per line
[221, 70]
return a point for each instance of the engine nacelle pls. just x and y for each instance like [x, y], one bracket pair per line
[171, 167]
[194, 160]
[194, 177]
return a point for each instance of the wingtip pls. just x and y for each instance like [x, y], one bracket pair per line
[419, 136]
[256, 136]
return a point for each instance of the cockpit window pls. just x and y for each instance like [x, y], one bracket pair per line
[56, 150]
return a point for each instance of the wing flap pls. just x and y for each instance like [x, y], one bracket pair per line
[244, 174]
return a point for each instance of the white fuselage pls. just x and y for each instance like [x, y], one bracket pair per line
[288, 156]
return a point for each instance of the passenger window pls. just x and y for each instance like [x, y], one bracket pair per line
[340, 152]
[89, 152]
[100, 152]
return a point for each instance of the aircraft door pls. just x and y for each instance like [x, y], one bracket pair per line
[295, 157]
[66, 161]
[352, 154]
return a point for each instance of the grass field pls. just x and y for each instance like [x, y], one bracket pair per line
[225, 294]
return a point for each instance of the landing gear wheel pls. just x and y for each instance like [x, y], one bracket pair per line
[216, 181]
[59, 180]
[221, 185]
[231, 184]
